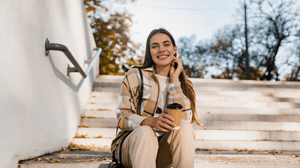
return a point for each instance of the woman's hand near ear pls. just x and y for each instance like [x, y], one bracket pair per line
[174, 73]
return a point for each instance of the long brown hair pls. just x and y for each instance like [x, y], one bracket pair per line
[186, 84]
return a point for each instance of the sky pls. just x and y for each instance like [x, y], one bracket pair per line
[181, 17]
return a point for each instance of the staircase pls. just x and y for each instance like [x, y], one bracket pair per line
[239, 117]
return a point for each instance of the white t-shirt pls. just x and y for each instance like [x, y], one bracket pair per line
[163, 92]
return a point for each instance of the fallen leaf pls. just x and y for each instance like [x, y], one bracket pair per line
[80, 136]
[100, 136]
[54, 160]
[82, 147]
[83, 126]
[103, 110]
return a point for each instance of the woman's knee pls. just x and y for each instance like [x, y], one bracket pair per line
[145, 130]
[145, 133]
[186, 128]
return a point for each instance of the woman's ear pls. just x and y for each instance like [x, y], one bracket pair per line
[175, 48]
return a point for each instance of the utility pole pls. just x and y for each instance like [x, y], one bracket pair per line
[246, 41]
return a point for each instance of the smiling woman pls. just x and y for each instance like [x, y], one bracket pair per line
[148, 133]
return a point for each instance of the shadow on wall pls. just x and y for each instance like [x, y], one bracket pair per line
[63, 78]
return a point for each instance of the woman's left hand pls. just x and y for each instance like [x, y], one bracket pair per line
[174, 73]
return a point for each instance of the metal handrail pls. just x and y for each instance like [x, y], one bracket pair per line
[65, 50]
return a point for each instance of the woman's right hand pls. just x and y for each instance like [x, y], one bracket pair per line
[163, 123]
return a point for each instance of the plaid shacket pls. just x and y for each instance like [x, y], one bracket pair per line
[127, 116]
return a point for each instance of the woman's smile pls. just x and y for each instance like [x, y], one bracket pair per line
[163, 56]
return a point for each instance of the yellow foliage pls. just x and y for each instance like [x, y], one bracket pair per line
[83, 126]
[100, 136]
[54, 160]
[80, 136]
[103, 110]
[63, 151]
[82, 147]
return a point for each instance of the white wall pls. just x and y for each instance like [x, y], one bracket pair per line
[40, 106]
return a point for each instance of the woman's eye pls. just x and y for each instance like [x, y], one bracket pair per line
[153, 47]
[167, 44]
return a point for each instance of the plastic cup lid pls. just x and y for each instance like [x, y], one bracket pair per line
[175, 106]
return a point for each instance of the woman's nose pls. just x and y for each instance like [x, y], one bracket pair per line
[161, 49]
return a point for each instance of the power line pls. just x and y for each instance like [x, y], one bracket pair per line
[203, 9]
[177, 21]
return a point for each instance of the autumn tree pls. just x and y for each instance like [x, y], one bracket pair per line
[293, 61]
[276, 22]
[111, 31]
[229, 48]
[193, 55]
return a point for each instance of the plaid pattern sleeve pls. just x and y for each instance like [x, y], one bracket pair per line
[127, 116]
[176, 96]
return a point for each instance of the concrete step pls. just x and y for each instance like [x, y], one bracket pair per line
[102, 106]
[95, 132]
[109, 96]
[100, 159]
[231, 93]
[262, 165]
[212, 116]
[227, 135]
[210, 144]
[209, 125]
[105, 94]
[251, 117]
[277, 94]
[238, 110]
[107, 89]
[280, 105]
[107, 104]
[251, 126]
[249, 145]
[203, 111]
[99, 122]
[209, 134]
[70, 159]
[212, 82]
[99, 114]
[200, 98]
[234, 92]
[94, 142]
[115, 87]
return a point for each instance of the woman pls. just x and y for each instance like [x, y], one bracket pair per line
[152, 140]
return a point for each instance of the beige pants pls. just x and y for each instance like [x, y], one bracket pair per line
[141, 148]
